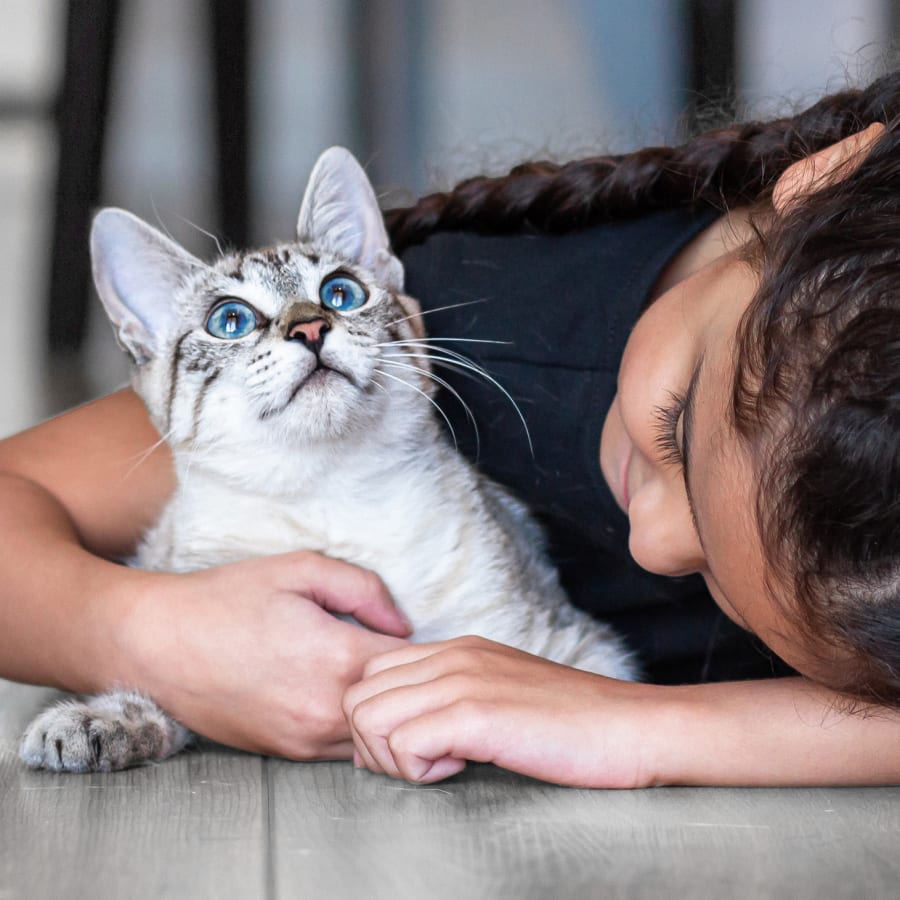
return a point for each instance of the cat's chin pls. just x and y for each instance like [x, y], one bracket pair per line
[318, 390]
[327, 405]
[322, 378]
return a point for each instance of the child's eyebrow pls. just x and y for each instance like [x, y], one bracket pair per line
[687, 421]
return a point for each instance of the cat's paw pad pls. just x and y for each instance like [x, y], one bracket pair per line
[102, 734]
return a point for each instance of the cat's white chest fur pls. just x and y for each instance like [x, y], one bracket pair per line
[422, 525]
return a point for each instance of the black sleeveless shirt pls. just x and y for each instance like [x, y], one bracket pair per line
[562, 308]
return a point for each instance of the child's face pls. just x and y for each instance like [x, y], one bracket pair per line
[685, 479]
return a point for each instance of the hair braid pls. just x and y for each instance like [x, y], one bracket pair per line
[726, 167]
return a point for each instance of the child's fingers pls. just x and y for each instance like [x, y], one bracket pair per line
[437, 744]
[343, 588]
[362, 752]
[374, 720]
[415, 672]
[432, 770]
[449, 685]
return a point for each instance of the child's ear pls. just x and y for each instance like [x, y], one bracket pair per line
[828, 165]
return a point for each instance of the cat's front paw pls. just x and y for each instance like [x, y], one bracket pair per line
[101, 734]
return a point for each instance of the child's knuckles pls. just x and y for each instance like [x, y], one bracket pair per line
[373, 588]
[365, 718]
[464, 657]
[472, 641]
[472, 716]
[460, 684]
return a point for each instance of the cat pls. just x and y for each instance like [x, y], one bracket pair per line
[293, 386]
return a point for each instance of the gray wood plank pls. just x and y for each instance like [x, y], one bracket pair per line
[218, 823]
[488, 834]
[194, 826]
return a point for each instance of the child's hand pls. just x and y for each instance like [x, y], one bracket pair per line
[423, 710]
[249, 653]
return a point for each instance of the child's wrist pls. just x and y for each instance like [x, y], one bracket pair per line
[665, 724]
[126, 609]
[711, 734]
[676, 750]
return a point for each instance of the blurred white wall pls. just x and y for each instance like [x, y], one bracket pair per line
[487, 82]
[793, 51]
[29, 61]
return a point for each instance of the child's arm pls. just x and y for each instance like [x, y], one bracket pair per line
[423, 710]
[242, 653]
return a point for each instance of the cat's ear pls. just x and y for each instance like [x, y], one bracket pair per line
[340, 212]
[138, 271]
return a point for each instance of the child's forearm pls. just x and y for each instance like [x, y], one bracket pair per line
[420, 712]
[59, 604]
[74, 492]
[787, 731]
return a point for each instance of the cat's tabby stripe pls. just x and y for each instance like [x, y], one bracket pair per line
[198, 401]
[173, 381]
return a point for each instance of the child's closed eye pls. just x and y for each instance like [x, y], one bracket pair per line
[665, 425]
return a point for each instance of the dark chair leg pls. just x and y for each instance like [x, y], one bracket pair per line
[712, 28]
[230, 43]
[81, 120]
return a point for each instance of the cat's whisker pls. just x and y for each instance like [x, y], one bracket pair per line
[165, 229]
[470, 367]
[427, 312]
[447, 357]
[447, 353]
[436, 379]
[437, 360]
[448, 387]
[144, 455]
[208, 234]
[424, 341]
[196, 454]
[429, 399]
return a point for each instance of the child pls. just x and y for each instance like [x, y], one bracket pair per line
[752, 440]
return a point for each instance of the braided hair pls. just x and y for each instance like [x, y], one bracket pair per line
[816, 395]
[727, 167]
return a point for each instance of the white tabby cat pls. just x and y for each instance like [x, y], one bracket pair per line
[293, 389]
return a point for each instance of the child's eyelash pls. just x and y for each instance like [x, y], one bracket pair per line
[665, 424]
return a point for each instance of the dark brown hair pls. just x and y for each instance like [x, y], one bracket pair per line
[817, 398]
[817, 385]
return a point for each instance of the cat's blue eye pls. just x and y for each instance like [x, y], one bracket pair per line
[231, 320]
[343, 293]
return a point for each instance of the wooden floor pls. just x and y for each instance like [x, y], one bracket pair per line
[218, 823]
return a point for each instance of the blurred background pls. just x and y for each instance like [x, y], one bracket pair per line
[210, 113]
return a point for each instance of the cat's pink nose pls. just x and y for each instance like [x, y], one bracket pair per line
[310, 333]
